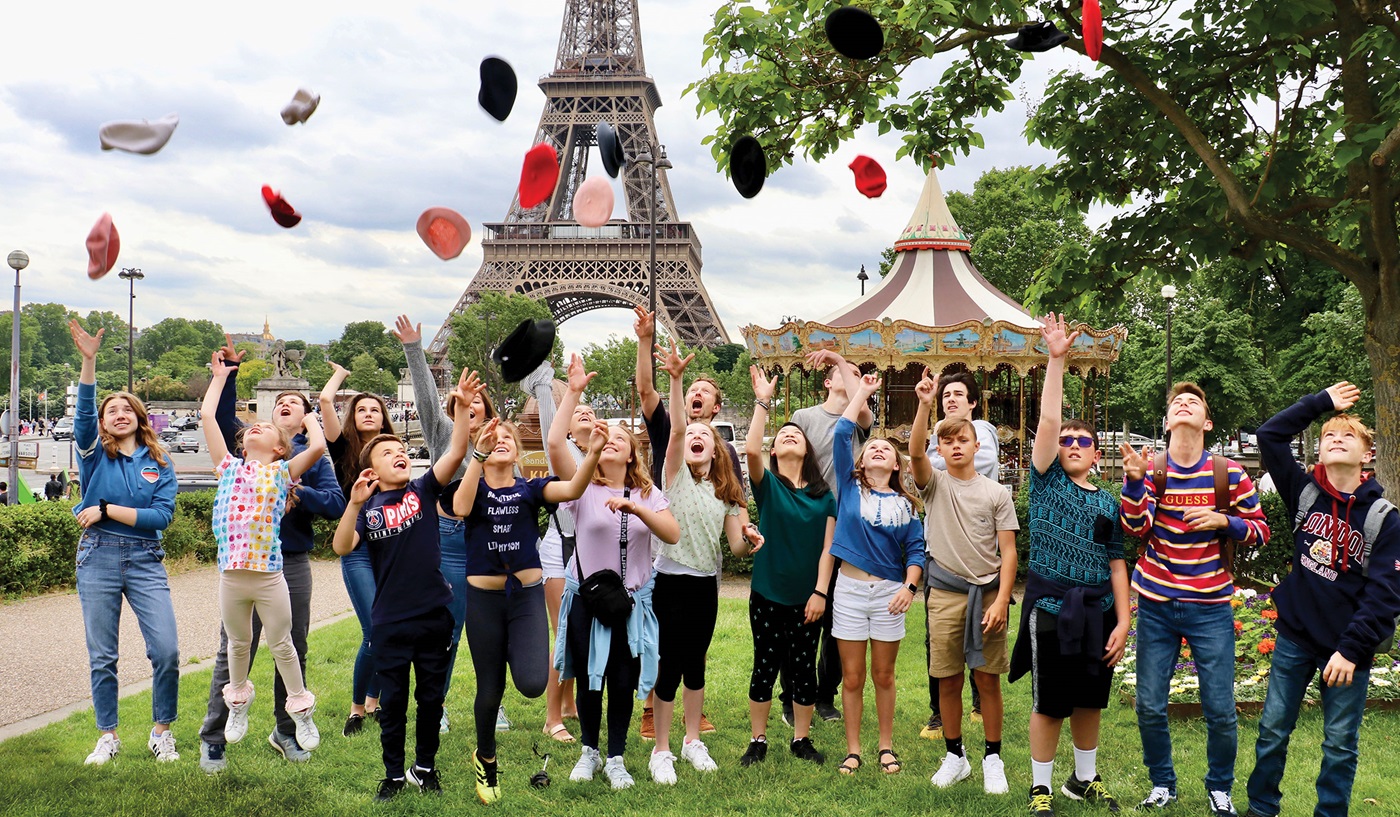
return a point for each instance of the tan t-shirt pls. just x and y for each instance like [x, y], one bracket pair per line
[961, 524]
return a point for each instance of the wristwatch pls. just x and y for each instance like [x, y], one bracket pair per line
[913, 588]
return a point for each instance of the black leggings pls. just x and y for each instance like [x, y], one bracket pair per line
[686, 608]
[619, 681]
[782, 640]
[505, 629]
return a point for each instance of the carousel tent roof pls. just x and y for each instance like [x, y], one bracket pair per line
[933, 281]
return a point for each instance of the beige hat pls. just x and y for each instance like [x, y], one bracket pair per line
[138, 136]
[593, 203]
[301, 107]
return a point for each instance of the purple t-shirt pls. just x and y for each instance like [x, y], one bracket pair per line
[599, 533]
[400, 530]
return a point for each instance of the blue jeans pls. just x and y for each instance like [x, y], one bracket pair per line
[109, 567]
[1209, 629]
[1342, 707]
[452, 540]
[358, 573]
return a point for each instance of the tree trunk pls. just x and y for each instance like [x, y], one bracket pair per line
[1383, 351]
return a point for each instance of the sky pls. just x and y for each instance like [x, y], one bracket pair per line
[398, 130]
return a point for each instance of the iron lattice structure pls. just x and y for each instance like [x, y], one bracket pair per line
[599, 75]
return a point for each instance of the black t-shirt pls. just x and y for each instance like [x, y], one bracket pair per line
[400, 529]
[658, 427]
[345, 472]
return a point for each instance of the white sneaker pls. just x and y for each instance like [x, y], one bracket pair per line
[1220, 804]
[695, 753]
[308, 736]
[237, 724]
[589, 764]
[954, 768]
[617, 774]
[107, 747]
[663, 768]
[163, 746]
[1159, 797]
[994, 775]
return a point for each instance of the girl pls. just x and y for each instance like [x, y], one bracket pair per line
[880, 542]
[797, 517]
[707, 501]
[128, 499]
[504, 587]
[247, 520]
[366, 417]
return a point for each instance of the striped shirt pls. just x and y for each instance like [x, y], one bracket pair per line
[1181, 564]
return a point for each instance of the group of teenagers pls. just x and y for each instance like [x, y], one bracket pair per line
[625, 571]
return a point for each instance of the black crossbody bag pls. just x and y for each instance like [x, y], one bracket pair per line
[604, 593]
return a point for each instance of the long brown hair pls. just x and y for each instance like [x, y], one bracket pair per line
[896, 478]
[638, 476]
[355, 440]
[145, 434]
[727, 487]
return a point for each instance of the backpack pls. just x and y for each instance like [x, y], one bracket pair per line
[1370, 531]
[1221, 473]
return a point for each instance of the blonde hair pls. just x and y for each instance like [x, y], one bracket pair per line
[145, 434]
[1350, 422]
[727, 487]
[896, 479]
[637, 477]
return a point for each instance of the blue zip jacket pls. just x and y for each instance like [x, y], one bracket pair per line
[318, 492]
[137, 481]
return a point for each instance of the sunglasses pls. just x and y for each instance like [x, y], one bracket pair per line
[1081, 441]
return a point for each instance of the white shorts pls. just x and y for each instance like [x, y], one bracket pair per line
[860, 610]
[552, 554]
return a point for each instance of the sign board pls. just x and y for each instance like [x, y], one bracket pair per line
[534, 465]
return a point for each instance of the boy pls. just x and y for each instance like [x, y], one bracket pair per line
[1076, 614]
[1184, 590]
[1336, 605]
[970, 528]
[396, 517]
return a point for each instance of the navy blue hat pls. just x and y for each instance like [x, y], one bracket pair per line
[854, 33]
[498, 86]
[1037, 37]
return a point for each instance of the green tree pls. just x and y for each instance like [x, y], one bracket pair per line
[616, 363]
[1327, 353]
[55, 344]
[174, 333]
[368, 337]
[367, 376]
[250, 371]
[480, 328]
[726, 355]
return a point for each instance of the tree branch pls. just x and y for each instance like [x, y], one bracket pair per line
[1389, 145]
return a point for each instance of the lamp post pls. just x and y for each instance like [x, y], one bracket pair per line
[18, 260]
[131, 276]
[862, 277]
[653, 156]
[1168, 295]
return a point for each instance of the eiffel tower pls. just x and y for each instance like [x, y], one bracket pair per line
[599, 75]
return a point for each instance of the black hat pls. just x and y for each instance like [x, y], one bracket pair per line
[747, 166]
[525, 349]
[611, 147]
[497, 94]
[854, 33]
[1037, 37]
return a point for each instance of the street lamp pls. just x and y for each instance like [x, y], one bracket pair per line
[17, 260]
[659, 163]
[131, 276]
[1168, 295]
[862, 277]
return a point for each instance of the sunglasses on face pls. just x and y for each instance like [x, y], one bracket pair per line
[1081, 441]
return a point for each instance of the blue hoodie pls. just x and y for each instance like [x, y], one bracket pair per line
[1327, 603]
[136, 481]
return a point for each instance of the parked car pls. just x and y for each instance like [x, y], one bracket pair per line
[188, 423]
[63, 429]
[186, 442]
[168, 435]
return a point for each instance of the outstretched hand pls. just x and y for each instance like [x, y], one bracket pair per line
[579, 377]
[364, 487]
[822, 359]
[645, 324]
[337, 369]
[1134, 463]
[406, 331]
[1344, 395]
[486, 440]
[763, 388]
[231, 352]
[927, 388]
[87, 344]
[671, 362]
[869, 384]
[217, 367]
[1055, 332]
[598, 436]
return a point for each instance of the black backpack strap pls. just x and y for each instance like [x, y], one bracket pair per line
[622, 539]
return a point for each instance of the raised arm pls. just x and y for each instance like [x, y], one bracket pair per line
[465, 497]
[539, 384]
[850, 378]
[645, 327]
[213, 436]
[85, 413]
[561, 462]
[1139, 506]
[919, 464]
[226, 415]
[432, 419]
[468, 385]
[346, 537]
[1277, 433]
[1058, 340]
[315, 447]
[327, 401]
[674, 366]
[753, 446]
[557, 492]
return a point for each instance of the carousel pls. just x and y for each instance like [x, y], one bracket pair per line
[934, 309]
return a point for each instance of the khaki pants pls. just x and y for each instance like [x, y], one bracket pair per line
[240, 592]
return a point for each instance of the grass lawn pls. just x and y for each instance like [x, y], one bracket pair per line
[42, 773]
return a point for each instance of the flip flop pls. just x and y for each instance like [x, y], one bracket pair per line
[846, 767]
[560, 732]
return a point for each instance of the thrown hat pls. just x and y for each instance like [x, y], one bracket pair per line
[593, 203]
[854, 33]
[103, 244]
[444, 231]
[1037, 37]
[870, 177]
[282, 212]
[301, 107]
[524, 349]
[498, 86]
[611, 147]
[1092, 28]
[539, 175]
[138, 135]
[748, 167]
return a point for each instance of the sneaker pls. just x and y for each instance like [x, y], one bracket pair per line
[211, 757]
[994, 775]
[353, 725]
[663, 768]
[827, 712]
[705, 726]
[308, 736]
[163, 746]
[236, 727]
[695, 753]
[107, 747]
[617, 774]
[802, 749]
[954, 768]
[589, 764]
[1042, 802]
[933, 730]
[443, 726]
[1092, 790]
[787, 713]
[976, 716]
[425, 779]
[1220, 804]
[502, 722]
[648, 730]
[1159, 797]
[288, 747]
[388, 789]
[757, 753]
[488, 783]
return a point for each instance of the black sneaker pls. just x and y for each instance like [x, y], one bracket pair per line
[757, 753]
[803, 749]
[1042, 802]
[787, 713]
[827, 712]
[1092, 791]
[353, 725]
[425, 779]
[388, 789]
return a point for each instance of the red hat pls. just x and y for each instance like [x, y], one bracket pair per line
[870, 177]
[103, 244]
[1093, 29]
[539, 175]
[282, 212]
[444, 231]
[593, 203]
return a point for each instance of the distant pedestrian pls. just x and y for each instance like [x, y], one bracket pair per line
[53, 489]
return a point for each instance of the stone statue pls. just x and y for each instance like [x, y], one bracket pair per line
[285, 362]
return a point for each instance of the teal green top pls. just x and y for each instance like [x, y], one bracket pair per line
[793, 524]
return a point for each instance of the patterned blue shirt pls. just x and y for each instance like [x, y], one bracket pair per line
[1064, 521]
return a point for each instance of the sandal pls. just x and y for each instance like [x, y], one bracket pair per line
[890, 766]
[846, 767]
[560, 732]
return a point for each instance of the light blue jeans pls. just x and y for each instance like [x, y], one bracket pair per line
[452, 540]
[109, 567]
[358, 573]
[1209, 630]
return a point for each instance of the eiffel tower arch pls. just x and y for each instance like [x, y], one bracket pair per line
[599, 75]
